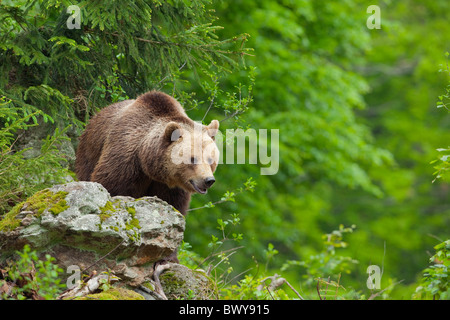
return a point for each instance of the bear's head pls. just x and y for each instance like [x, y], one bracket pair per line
[192, 155]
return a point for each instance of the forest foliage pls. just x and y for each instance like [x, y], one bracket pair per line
[362, 117]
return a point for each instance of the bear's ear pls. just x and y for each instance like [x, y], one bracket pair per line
[212, 128]
[172, 132]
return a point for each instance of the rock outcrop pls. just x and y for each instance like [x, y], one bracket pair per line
[81, 225]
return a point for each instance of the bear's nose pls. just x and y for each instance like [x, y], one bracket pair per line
[209, 181]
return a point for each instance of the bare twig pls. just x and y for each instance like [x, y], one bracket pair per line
[210, 105]
[89, 286]
[222, 260]
[236, 276]
[267, 288]
[217, 253]
[179, 69]
[318, 290]
[337, 286]
[240, 110]
[158, 270]
[292, 288]
[237, 112]
[326, 289]
[277, 281]
[207, 205]
[373, 296]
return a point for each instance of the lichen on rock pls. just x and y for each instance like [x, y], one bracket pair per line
[80, 224]
[40, 203]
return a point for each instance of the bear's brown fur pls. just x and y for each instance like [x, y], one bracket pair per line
[129, 146]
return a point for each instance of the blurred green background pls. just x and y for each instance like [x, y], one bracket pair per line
[356, 108]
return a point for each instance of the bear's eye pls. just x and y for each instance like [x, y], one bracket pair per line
[210, 161]
[193, 160]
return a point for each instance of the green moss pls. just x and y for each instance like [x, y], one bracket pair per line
[113, 294]
[46, 199]
[148, 285]
[133, 223]
[131, 211]
[9, 221]
[172, 282]
[59, 207]
[106, 211]
[184, 283]
[108, 207]
[55, 203]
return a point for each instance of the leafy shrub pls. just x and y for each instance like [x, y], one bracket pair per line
[442, 164]
[326, 263]
[435, 282]
[318, 269]
[31, 278]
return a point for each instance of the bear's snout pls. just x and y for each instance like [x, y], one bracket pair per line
[202, 185]
[209, 182]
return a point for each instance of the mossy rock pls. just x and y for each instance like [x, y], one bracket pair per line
[181, 283]
[113, 294]
[41, 202]
[79, 223]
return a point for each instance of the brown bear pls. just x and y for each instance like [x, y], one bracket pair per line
[149, 147]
